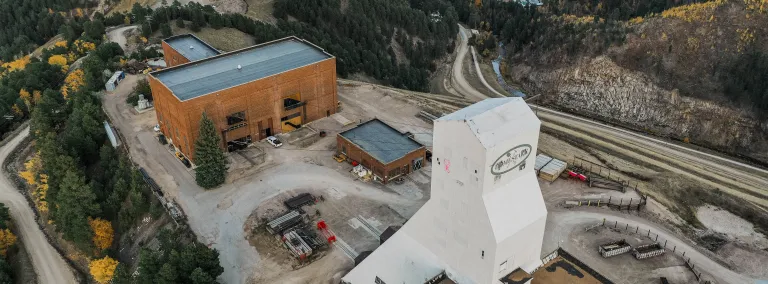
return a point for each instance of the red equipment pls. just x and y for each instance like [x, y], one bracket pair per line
[327, 233]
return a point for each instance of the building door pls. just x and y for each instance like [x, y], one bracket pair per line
[268, 131]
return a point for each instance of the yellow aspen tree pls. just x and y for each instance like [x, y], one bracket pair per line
[26, 97]
[102, 232]
[17, 64]
[31, 168]
[36, 95]
[61, 43]
[41, 193]
[59, 60]
[103, 270]
[73, 83]
[7, 240]
[17, 110]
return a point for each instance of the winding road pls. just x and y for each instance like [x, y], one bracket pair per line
[49, 266]
[458, 81]
[732, 176]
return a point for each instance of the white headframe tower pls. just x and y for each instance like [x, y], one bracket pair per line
[486, 215]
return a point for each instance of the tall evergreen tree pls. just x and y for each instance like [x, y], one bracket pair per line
[76, 203]
[211, 161]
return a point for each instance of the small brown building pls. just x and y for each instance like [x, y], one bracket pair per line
[186, 48]
[250, 94]
[388, 153]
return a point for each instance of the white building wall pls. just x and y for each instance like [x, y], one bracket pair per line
[453, 224]
[521, 256]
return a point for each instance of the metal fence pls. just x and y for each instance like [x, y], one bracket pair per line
[666, 244]
[631, 204]
[592, 169]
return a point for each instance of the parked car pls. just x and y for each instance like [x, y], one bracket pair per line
[274, 141]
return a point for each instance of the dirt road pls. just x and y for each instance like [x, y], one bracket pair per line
[739, 179]
[118, 36]
[458, 81]
[480, 74]
[49, 265]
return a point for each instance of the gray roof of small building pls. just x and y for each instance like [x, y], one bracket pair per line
[381, 141]
[194, 79]
[191, 47]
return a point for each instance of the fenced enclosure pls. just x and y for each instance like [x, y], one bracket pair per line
[660, 244]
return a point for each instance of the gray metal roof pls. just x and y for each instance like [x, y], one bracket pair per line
[206, 76]
[381, 141]
[191, 47]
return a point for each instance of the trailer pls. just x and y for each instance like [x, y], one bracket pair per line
[298, 247]
[284, 222]
[649, 250]
[300, 200]
[114, 81]
[614, 248]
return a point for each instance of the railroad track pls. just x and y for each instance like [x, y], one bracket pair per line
[345, 248]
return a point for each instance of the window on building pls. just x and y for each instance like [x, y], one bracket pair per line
[292, 101]
[236, 118]
[379, 281]
[394, 172]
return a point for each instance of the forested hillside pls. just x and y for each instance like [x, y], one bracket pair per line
[360, 34]
[691, 70]
[25, 24]
[89, 192]
[365, 36]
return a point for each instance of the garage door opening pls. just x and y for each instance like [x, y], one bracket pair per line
[238, 144]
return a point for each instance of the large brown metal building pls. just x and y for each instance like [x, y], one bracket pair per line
[387, 152]
[250, 93]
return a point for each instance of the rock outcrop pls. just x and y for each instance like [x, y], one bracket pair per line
[600, 89]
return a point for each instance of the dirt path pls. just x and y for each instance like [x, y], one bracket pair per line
[49, 265]
[118, 36]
